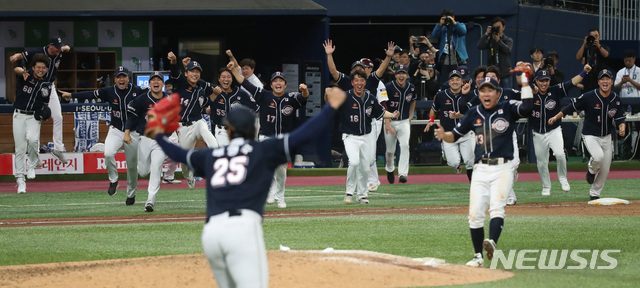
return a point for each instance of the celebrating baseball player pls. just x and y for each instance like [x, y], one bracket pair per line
[32, 92]
[603, 114]
[118, 96]
[376, 126]
[54, 51]
[493, 123]
[546, 104]
[150, 155]
[277, 117]
[402, 98]
[195, 94]
[355, 124]
[450, 105]
[237, 179]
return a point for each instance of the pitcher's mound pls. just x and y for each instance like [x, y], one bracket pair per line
[298, 269]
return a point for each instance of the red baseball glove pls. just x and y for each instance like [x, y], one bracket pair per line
[164, 116]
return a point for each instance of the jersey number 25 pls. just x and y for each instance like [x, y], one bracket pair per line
[229, 171]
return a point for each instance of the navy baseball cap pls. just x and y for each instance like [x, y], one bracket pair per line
[605, 73]
[357, 63]
[121, 70]
[455, 72]
[367, 62]
[241, 119]
[278, 75]
[56, 41]
[488, 81]
[464, 72]
[543, 74]
[156, 74]
[402, 68]
[194, 65]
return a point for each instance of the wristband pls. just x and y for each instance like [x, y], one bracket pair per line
[432, 118]
[583, 73]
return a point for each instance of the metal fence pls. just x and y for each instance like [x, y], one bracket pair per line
[619, 20]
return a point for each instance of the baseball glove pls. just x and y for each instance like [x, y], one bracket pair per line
[43, 113]
[164, 115]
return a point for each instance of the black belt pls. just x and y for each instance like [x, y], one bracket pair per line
[232, 213]
[187, 123]
[493, 161]
[221, 127]
[25, 112]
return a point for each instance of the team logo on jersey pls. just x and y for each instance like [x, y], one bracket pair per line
[150, 106]
[189, 88]
[408, 97]
[478, 122]
[221, 100]
[537, 102]
[597, 106]
[500, 111]
[500, 125]
[201, 101]
[135, 94]
[234, 104]
[550, 105]
[368, 111]
[115, 101]
[45, 92]
[272, 105]
[612, 112]
[448, 101]
[355, 106]
[287, 110]
[57, 64]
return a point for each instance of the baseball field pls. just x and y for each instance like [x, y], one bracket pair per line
[72, 234]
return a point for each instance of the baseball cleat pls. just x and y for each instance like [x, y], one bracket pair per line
[170, 181]
[148, 207]
[271, 199]
[590, 177]
[458, 169]
[594, 197]
[130, 201]
[31, 173]
[373, 187]
[282, 205]
[546, 191]
[113, 188]
[511, 201]
[59, 155]
[477, 261]
[565, 186]
[22, 186]
[363, 200]
[191, 182]
[348, 199]
[402, 179]
[390, 177]
[490, 246]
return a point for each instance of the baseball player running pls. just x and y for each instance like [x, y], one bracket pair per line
[195, 97]
[450, 105]
[546, 104]
[32, 92]
[54, 51]
[150, 155]
[355, 124]
[603, 114]
[402, 98]
[277, 117]
[493, 123]
[118, 96]
[237, 179]
[376, 126]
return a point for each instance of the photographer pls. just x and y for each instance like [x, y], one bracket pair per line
[453, 46]
[499, 46]
[425, 77]
[551, 64]
[594, 54]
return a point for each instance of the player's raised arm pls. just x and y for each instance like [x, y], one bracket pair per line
[329, 49]
[309, 130]
[391, 47]
[234, 60]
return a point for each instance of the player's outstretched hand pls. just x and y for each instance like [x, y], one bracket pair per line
[172, 58]
[335, 96]
[466, 88]
[439, 132]
[428, 127]
[622, 127]
[185, 61]
[230, 54]
[230, 65]
[216, 91]
[328, 47]
[66, 95]
[391, 48]
[303, 87]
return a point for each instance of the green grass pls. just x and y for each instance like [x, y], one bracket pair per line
[440, 236]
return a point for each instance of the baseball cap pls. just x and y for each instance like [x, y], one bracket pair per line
[121, 70]
[156, 74]
[488, 81]
[241, 119]
[397, 49]
[367, 62]
[402, 68]
[194, 65]
[464, 72]
[357, 63]
[278, 75]
[605, 72]
[56, 41]
[543, 74]
[455, 72]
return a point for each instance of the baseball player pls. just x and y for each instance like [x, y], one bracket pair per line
[54, 51]
[118, 96]
[450, 105]
[376, 126]
[493, 123]
[195, 97]
[277, 117]
[355, 124]
[546, 104]
[32, 92]
[237, 179]
[602, 109]
[225, 97]
[150, 155]
[402, 98]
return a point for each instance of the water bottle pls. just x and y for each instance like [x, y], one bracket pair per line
[75, 100]
[150, 64]
[161, 65]
[86, 100]
[629, 110]
[98, 63]
[108, 80]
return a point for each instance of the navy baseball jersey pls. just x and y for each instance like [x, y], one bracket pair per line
[137, 111]
[493, 128]
[546, 106]
[446, 102]
[277, 114]
[344, 82]
[600, 113]
[54, 62]
[225, 101]
[31, 94]
[118, 100]
[356, 113]
[506, 94]
[192, 98]
[400, 98]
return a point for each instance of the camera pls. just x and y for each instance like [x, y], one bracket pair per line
[423, 65]
[495, 30]
[549, 62]
[447, 21]
[590, 40]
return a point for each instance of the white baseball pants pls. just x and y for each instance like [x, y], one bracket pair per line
[112, 143]
[56, 116]
[26, 136]
[601, 150]
[279, 179]
[189, 135]
[403, 132]
[542, 143]
[490, 186]
[359, 153]
[150, 159]
[221, 135]
[465, 146]
[376, 127]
